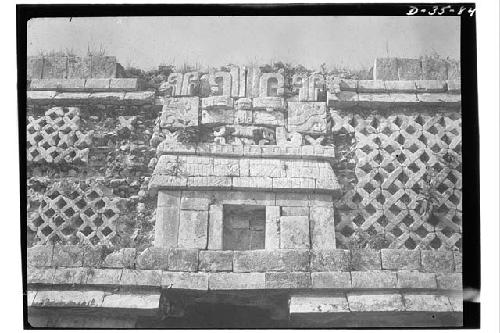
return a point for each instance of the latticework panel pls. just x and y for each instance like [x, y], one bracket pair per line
[56, 137]
[73, 213]
[408, 192]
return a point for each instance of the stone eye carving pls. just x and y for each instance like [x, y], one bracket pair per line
[272, 85]
[316, 87]
[190, 84]
[220, 83]
[300, 83]
[173, 85]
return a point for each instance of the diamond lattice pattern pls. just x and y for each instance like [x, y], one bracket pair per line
[409, 181]
[56, 137]
[72, 214]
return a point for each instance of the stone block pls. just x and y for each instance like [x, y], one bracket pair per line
[307, 117]
[318, 304]
[434, 69]
[217, 102]
[153, 258]
[431, 86]
[397, 259]
[30, 297]
[167, 226]
[215, 227]
[409, 69]
[290, 184]
[292, 199]
[374, 100]
[457, 302]
[68, 256]
[122, 258]
[330, 260]
[193, 229]
[139, 97]
[245, 198]
[185, 280]
[179, 112]
[108, 98]
[232, 281]
[40, 97]
[449, 281]
[343, 99]
[295, 211]
[57, 84]
[454, 86]
[54, 67]
[322, 228]
[34, 68]
[348, 85]
[104, 277]
[252, 183]
[375, 302]
[215, 261]
[268, 118]
[365, 260]
[97, 84]
[453, 69]
[224, 167]
[79, 67]
[400, 86]
[183, 260]
[274, 260]
[320, 200]
[68, 298]
[132, 301]
[431, 303]
[416, 280]
[243, 117]
[374, 279]
[288, 280]
[71, 275]
[75, 98]
[244, 104]
[93, 256]
[39, 275]
[458, 261]
[404, 98]
[122, 84]
[268, 103]
[169, 198]
[294, 232]
[103, 67]
[371, 86]
[385, 69]
[143, 278]
[331, 280]
[217, 117]
[210, 182]
[437, 261]
[439, 99]
[40, 255]
[272, 233]
[194, 201]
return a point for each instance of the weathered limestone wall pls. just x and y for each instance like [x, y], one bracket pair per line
[72, 67]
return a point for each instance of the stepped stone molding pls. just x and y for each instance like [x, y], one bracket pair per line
[194, 172]
[87, 85]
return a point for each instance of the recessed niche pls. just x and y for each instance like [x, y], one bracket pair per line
[244, 227]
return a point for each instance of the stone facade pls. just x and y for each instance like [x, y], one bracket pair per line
[269, 185]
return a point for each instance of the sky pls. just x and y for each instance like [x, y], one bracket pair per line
[345, 41]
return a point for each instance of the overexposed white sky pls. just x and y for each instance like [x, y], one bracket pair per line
[146, 42]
